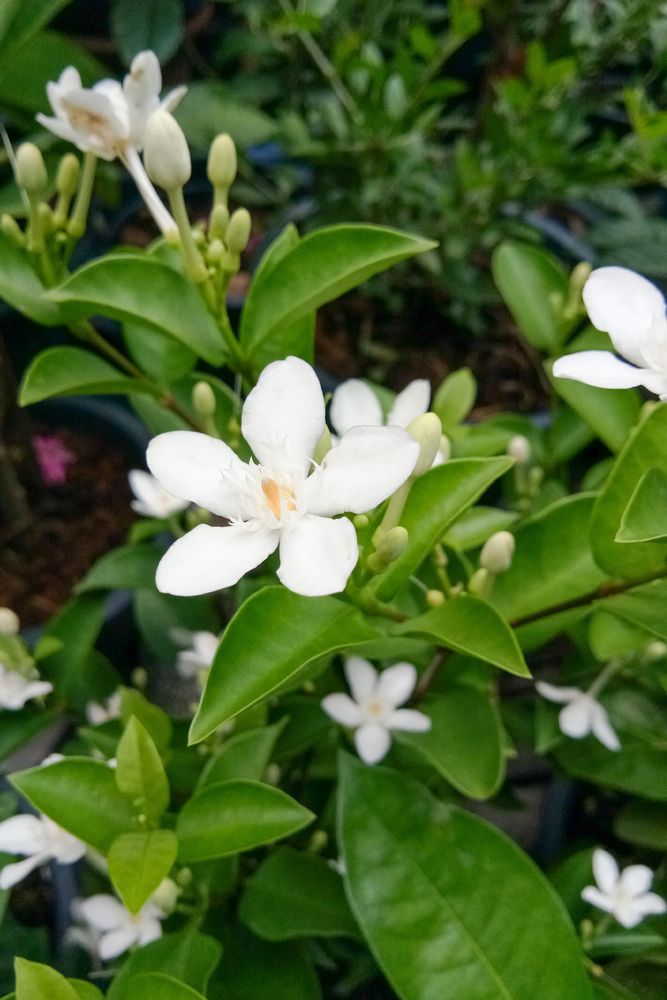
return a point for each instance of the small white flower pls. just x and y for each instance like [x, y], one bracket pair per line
[201, 652]
[38, 839]
[354, 404]
[15, 689]
[99, 712]
[277, 503]
[632, 311]
[110, 929]
[582, 714]
[151, 499]
[623, 894]
[373, 708]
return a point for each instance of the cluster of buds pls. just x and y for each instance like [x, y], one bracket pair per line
[495, 558]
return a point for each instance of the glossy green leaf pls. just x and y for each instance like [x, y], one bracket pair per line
[188, 956]
[243, 971]
[21, 21]
[236, 816]
[466, 743]
[129, 567]
[643, 607]
[243, 755]
[529, 278]
[69, 371]
[643, 824]
[39, 982]
[158, 986]
[138, 288]
[610, 636]
[645, 517]
[435, 501]
[154, 720]
[471, 626]
[455, 398]
[476, 525]
[80, 795]
[450, 906]
[163, 358]
[322, 266]
[140, 773]
[138, 862]
[21, 288]
[638, 768]
[271, 638]
[295, 894]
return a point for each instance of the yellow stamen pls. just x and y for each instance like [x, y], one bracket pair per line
[274, 494]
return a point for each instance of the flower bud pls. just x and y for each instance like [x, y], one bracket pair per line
[656, 650]
[183, 877]
[30, 168]
[203, 399]
[166, 153]
[434, 598]
[9, 622]
[12, 230]
[361, 521]
[215, 252]
[221, 164]
[445, 448]
[217, 226]
[427, 431]
[67, 178]
[166, 895]
[392, 544]
[519, 449]
[480, 583]
[238, 231]
[498, 552]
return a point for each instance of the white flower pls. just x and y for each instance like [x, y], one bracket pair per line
[201, 652]
[632, 311]
[15, 689]
[151, 499]
[623, 894]
[373, 708]
[99, 712]
[582, 714]
[354, 404]
[38, 839]
[276, 502]
[111, 928]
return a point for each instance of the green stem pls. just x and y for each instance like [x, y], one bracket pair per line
[604, 677]
[194, 262]
[79, 218]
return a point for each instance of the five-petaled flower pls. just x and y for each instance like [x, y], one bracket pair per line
[151, 499]
[582, 714]
[110, 929]
[38, 839]
[623, 894]
[373, 710]
[284, 501]
[16, 689]
[632, 311]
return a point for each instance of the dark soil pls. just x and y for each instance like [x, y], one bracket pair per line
[72, 525]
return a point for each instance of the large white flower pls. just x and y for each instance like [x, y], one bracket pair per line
[284, 501]
[151, 499]
[623, 894]
[373, 710]
[582, 714]
[111, 929]
[38, 839]
[202, 647]
[632, 311]
[15, 689]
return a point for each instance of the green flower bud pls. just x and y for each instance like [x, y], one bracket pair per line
[238, 230]
[498, 552]
[31, 172]
[222, 163]
[392, 544]
[480, 583]
[434, 598]
[360, 521]
[203, 399]
[45, 214]
[166, 895]
[217, 226]
[12, 230]
[215, 252]
[166, 153]
[427, 431]
[67, 178]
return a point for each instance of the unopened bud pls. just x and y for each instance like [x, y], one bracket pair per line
[323, 446]
[203, 399]
[238, 230]
[166, 895]
[273, 775]
[215, 251]
[318, 841]
[31, 172]
[519, 449]
[67, 178]
[445, 448]
[427, 431]
[498, 552]
[360, 521]
[392, 544]
[166, 153]
[221, 164]
[218, 222]
[45, 214]
[139, 677]
[12, 230]
[183, 877]
[9, 622]
[434, 598]
[580, 276]
[656, 650]
[480, 583]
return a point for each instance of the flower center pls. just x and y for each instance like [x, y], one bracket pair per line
[374, 709]
[277, 495]
[89, 121]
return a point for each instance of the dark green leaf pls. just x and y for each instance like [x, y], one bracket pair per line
[244, 755]
[130, 567]
[21, 288]
[187, 956]
[644, 824]
[151, 24]
[529, 279]
[243, 976]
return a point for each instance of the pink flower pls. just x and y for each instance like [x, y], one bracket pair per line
[53, 458]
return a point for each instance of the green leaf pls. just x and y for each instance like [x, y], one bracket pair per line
[455, 398]
[244, 755]
[263, 647]
[423, 880]
[477, 524]
[435, 501]
[321, 267]
[21, 288]
[646, 449]
[23, 81]
[158, 986]
[643, 607]
[643, 824]
[151, 24]
[138, 288]
[20, 727]
[163, 358]
[80, 795]
[638, 768]
[76, 628]
[645, 517]
[295, 894]
[140, 773]
[187, 956]
[529, 279]
[466, 743]
[39, 982]
[208, 103]
[154, 720]
[138, 862]
[236, 816]
[20, 21]
[130, 567]
[67, 371]
[471, 626]
[243, 971]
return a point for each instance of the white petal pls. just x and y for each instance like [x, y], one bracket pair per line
[627, 307]
[206, 645]
[396, 684]
[627, 912]
[152, 498]
[409, 720]
[597, 898]
[372, 742]
[317, 555]
[636, 879]
[368, 465]
[16, 872]
[200, 468]
[208, 559]
[342, 709]
[650, 902]
[173, 98]
[103, 912]
[114, 943]
[575, 719]
[60, 128]
[283, 416]
[561, 695]
[22, 835]
[354, 404]
[605, 870]
[602, 728]
[149, 930]
[604, 370]
[361, 677]
[410, 403]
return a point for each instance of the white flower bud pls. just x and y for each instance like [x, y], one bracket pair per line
[9, 622]
[498, 552]
[203, 399]
[221, 164]
[427, 431]
[166, 895]
[480, 583]
[166, 153]
[519, 449]
[218, 223]
[238, 230]
[31, 172]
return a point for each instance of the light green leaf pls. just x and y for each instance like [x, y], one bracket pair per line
[140, 773]
[188, 956]
[244, 755]
[21, 288]
[138, 288]
[129, 567]
[39, 982]
[273, 636]
[476, 525]
[151, 24]
[154, 720]
[528, 278]
[645, 517]
[69, 371]
[138, 862]
[236, 816]
[423, 881]
[20, 20]
[455, 398]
